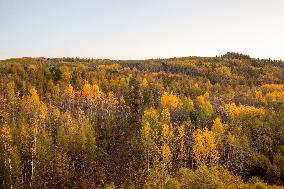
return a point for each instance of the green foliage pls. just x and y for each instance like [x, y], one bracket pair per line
[190, 122]
[205, 177]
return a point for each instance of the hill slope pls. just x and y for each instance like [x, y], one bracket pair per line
[162, 123]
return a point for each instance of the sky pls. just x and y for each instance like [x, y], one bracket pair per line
[141, 29]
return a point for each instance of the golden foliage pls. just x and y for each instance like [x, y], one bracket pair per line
[180, 140]
[181, 131]
[145, 83]
[258, 95]
[169, 100]
[67, 118]
[150, 123]
[91, 92]
[204, 103]
[166, 153]
[231, 139]
[235, 112]
[146, 129]
[217, 126]
[204, 147]
[275, 96]
[87, 90]
[56, 92]
[66, 75]
[201, 101]
[97, 92]
[166, 115]
[209, 177]
[67, 129]
[151, 116]
[108, 67]
[43, 112]
[218, 129]
[11, 90]
[34, 96]
[70, 91]
[272, 93]
[33, 67]
[6, 138]
[273, 87]
[167, 133]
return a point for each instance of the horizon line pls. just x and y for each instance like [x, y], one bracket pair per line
[141, 59]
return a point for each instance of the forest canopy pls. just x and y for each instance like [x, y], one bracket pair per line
[190, 122]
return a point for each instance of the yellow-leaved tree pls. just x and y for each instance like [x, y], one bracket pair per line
[218, 130]
[87, 92]
[91, 92]
[165, 115]
[180, 140]
[11, 161]
[149, 135]
[166, 139]
[169, 100]
[66, 74]
[206, 110]
[204, 147]
[37, 116]
[70, 91]
[145, 83]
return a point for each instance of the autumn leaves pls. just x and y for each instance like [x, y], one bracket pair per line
[139, 124]
[209, 142]
[163, 139]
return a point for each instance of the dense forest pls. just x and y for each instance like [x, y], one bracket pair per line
[190, 122]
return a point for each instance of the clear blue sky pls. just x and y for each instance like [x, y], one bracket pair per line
[139, 29]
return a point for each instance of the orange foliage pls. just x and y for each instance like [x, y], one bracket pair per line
[169, 100]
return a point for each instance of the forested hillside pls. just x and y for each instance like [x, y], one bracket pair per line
[192, 122]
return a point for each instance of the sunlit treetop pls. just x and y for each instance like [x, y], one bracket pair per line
[273, 87]
[240, 111]
[34, 96]
[169, 100]
[145, 83]
[91, 92]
